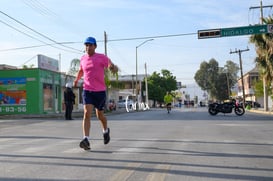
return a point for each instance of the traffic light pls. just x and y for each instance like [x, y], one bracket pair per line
[214, 33]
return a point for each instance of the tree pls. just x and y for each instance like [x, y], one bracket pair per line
[259, 90]
[264, 50]
[231, 69]
[222, 87]
[217, 81]
[159, 84]
[74, 67]
[206, 76]
[28, 66]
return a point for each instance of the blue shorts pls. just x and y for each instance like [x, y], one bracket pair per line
[97, 99]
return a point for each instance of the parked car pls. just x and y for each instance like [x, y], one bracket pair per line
[122, 103]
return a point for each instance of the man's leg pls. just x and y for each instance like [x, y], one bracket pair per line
[86, 124]
[66, 111]
[103, 120]
[70, 107]
[71, 110]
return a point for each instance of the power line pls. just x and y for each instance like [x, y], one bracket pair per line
[153, 37]
[21, 31]
[45, 44]
[62, 43]
[44, 36]
[39, 7]
[43, 10]
[35, 46]
[28, 60]
[121, 39]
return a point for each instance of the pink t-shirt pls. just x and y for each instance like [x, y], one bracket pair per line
[93, 71]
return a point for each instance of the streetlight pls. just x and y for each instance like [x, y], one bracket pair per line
[137, 68]
[146, 85]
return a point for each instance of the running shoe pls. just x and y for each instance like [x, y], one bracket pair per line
[85, 144]
[106, 136]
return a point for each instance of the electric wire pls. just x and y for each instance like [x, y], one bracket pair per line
[54, 17]
[121, 39]
[28, 60]
[21, 31]
[39, 7]
[153, 37]
[35, 46]
[44, 36]
[45, 44]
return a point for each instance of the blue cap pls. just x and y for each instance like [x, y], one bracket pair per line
[90, 40]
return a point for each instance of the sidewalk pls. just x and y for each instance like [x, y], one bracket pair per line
[78, 114]
[261, 111]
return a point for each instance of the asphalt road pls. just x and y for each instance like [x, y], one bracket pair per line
[187, 144]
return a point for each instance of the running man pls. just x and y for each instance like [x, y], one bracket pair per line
[92, 68]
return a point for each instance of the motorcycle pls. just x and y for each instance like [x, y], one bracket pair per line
[226, 107]
[169, 108]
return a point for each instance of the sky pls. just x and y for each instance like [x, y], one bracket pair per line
[58, 28]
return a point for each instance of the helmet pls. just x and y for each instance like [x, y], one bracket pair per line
[90, 40]
[69, 85]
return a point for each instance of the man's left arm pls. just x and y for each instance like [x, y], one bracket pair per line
[112, 67]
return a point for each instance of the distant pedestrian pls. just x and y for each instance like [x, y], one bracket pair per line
[92, 68]
[69, 100]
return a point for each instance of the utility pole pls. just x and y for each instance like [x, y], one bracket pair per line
[105, 43]
[241, 68]
[107, 72]
[261, 10]
[264, 79]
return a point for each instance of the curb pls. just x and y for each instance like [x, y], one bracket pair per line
[53, 115]
[260, 111]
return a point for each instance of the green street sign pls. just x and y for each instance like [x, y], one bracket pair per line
[235, 31]
[244, 30]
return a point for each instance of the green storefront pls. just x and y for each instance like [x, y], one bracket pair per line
[30, 91]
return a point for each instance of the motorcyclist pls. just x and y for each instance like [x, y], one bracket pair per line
[168, 101]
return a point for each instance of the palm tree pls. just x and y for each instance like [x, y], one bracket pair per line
[74, 67]
[264, 50]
